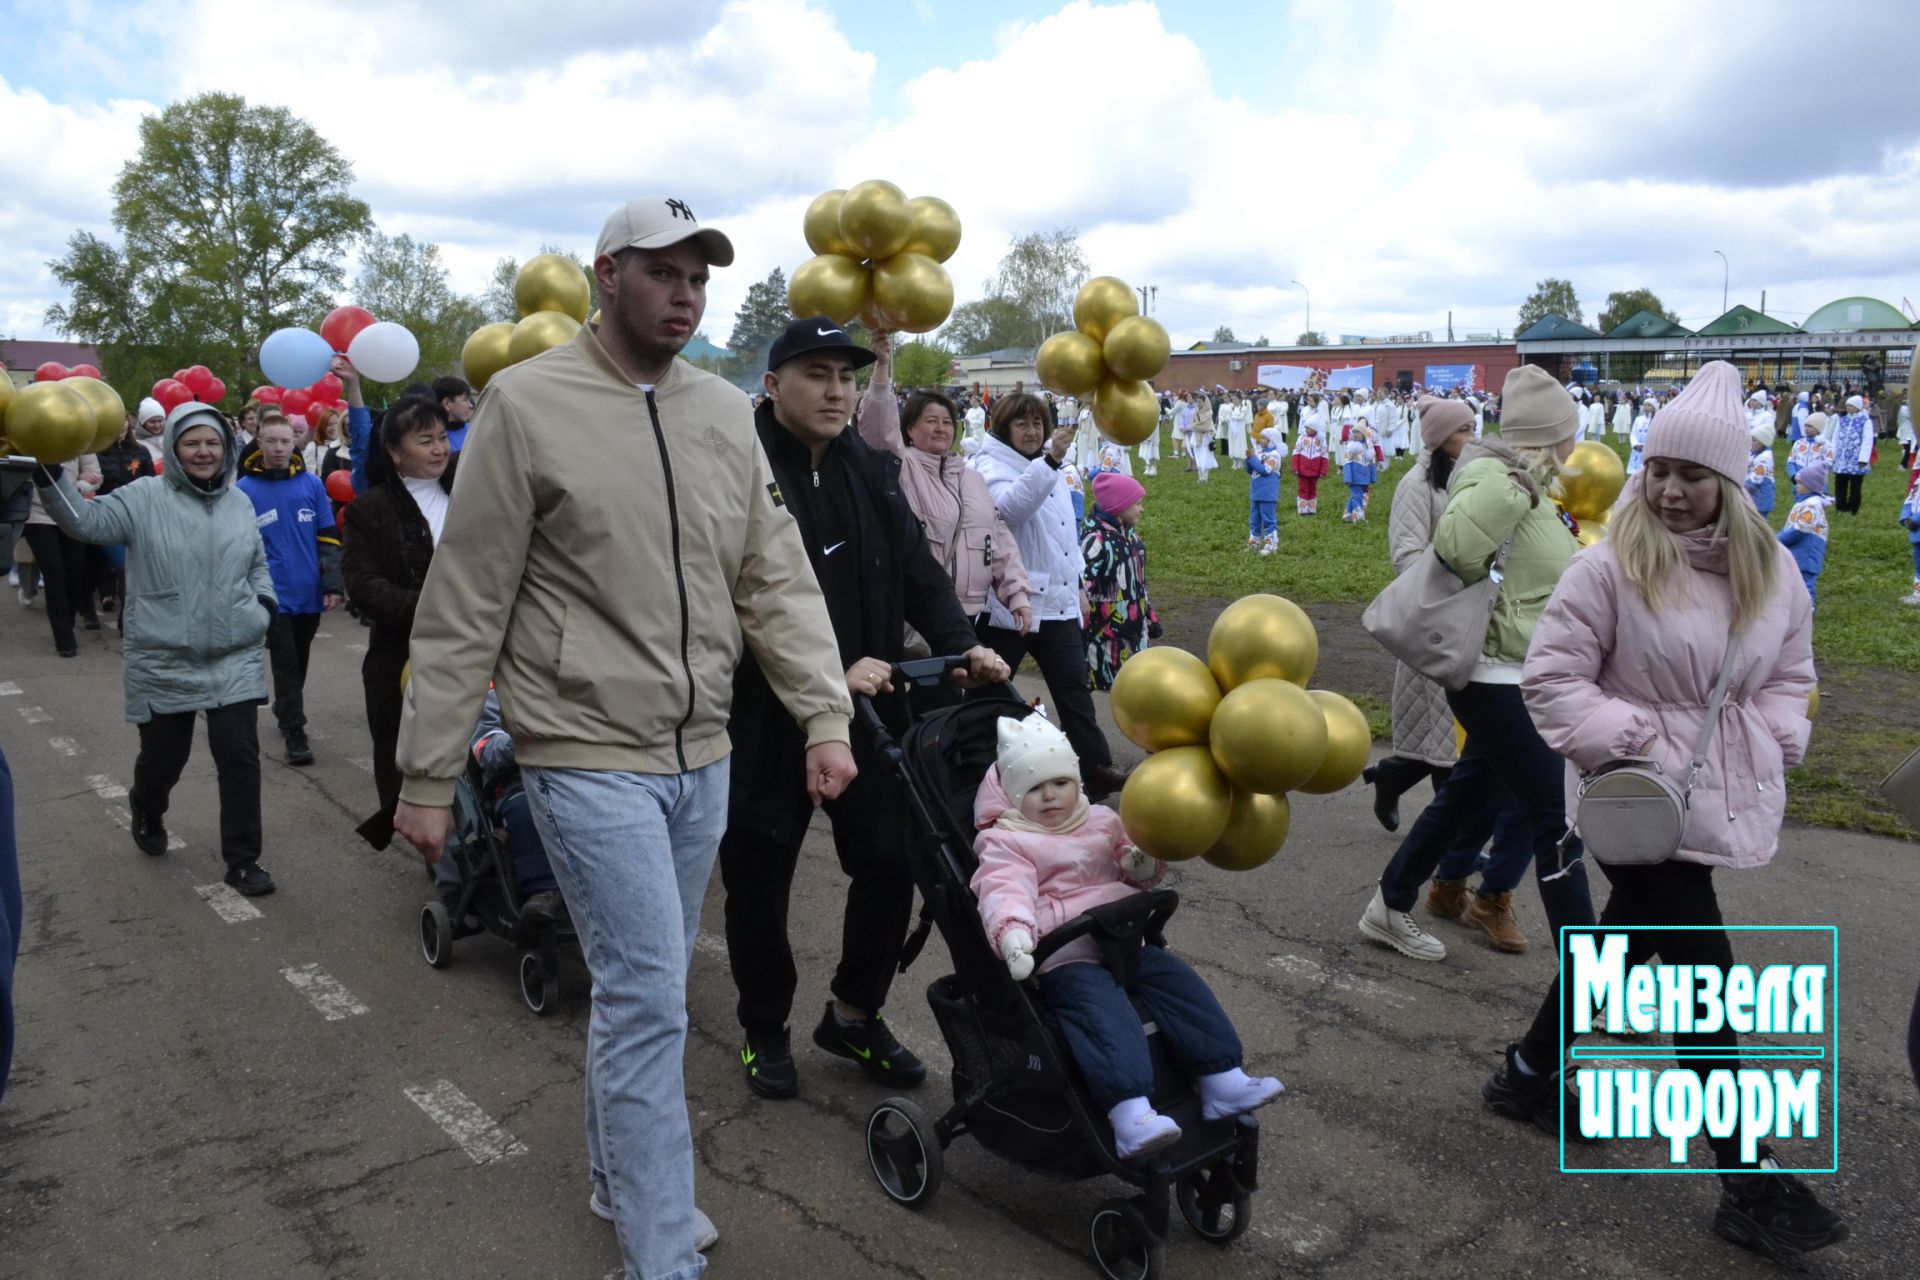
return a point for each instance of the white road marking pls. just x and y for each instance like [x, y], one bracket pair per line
[8, 689]
[361, 762]
[464, 1122]
[65, 746]
[1314, 971]
[124, 821]
[106, 788]
[332, 1000]
[35, 715]
[356, 648]
[227, 904]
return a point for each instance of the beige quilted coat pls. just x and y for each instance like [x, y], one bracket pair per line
[1422, 721]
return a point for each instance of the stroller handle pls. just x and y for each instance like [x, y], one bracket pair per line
[1142, 915]
[923, 672]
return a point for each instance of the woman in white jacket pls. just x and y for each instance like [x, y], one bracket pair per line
[1021, 466]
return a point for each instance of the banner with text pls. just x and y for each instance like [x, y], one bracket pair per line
[1356, 378]
[1284, 377]
[1442, 378]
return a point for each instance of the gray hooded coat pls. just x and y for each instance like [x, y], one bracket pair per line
[197, 585]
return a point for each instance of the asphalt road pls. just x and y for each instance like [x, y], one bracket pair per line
[290, 1092]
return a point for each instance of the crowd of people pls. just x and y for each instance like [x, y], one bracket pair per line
[651, 640]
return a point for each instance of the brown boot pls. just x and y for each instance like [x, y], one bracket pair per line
[1447, 898]
[1495, 915]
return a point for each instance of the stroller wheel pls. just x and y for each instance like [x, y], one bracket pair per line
[436, 935]
[904, 1152]
[1214, 1205]
[1124, 1246]
[539, 985]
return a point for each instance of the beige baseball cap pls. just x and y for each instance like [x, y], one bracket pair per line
[654, 222]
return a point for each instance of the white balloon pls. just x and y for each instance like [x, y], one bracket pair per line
[384, 352]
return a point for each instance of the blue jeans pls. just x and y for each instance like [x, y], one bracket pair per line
[1260, 519]
[1105, 1036]
[632, 854]
[1356, 498]
[1507, 860]
[11, 916]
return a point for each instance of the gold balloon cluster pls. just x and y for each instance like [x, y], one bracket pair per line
[877, 256]
[59, 421]
[1231, 736]
[1111, 353]
[1588, 486]
[552, 294]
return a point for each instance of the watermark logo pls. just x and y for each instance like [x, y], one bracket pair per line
[1655, 1090]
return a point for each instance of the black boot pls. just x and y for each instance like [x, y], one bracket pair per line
[1390, 779]
[1534, 1099]
[1773, 1214]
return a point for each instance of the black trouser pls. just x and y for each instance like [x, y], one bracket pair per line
[62, 562]
[165, 743]
[869, 834]
[289, 641]
[1060, 651]
[1503, 750]
[1846, 495]
[381, 678]
[1665, 893]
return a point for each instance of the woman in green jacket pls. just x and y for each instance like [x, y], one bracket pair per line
[1498, 500]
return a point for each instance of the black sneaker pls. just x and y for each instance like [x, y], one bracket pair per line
[1534, 1099]
[299, 750]
[250, 879]
[1774, 1214]
[148, 832]
[871, 1044]
[768, 1059]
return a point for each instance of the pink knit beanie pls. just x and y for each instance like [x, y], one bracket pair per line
[1114, 493]
[1705, 424]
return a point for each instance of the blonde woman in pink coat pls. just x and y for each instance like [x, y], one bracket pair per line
[1622, 664]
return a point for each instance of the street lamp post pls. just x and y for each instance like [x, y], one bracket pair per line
[1723, 282]
[1305, 290]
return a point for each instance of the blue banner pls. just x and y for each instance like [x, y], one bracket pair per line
[1442, 378]
[1356, 378]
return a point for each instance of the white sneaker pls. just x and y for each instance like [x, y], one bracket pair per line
[1914, 598]
[705, 1234]
[1397, 930]
[1233, 1093]
[1139, 1130]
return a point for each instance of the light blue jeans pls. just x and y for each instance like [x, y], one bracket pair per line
[632, 854]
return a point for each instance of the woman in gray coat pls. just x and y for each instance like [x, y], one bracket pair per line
[198, 602]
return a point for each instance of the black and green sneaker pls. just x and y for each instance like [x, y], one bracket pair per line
[768, 1059]
[871, 1044]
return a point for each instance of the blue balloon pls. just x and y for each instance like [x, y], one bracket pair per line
[295, 357]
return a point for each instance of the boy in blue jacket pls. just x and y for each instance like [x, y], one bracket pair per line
[1806, 531]
[295, 519]
[1263, 492]
[1910, 521]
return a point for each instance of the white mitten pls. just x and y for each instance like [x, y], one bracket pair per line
[1137, 864]
[1016, 948]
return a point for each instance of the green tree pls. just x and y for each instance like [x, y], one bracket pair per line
[989, 324]
[1261, 341]
[922, 364]
[1551, 297]
[1224, 334]
[234, 220]
[1039, 276]
[496, 301]
[403, 280]
[1625, 304]
[1311, 338]
[762, 317]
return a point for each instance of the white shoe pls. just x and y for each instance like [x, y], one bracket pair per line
[1397, 929]
[1914, 598]
[1139, 1130]
[1233, 1093]
[705, 1234]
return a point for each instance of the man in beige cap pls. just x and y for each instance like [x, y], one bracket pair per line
[615, 537]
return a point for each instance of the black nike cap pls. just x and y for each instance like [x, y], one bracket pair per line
[816, 333]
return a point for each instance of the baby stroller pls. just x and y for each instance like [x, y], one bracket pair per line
[1015, 1086]
[490, 899]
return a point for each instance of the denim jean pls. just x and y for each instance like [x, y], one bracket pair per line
[632, 854]
[1503, 750]
[1507, 861]
[1106, 1038]
[1261, 522]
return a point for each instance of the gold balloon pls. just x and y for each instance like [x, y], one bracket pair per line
[1164, 698]
[594, 319]
[874, 219]
[109, 411]
[1349, 744]
[1137, 348]
[1070, 364]
[1591, 481]
[51, 421]
[6, 398]
[1268, 736]
[1176, 803]
[1126, 412]
[551, 282]
[1262, 636]
[914, 291]
[1813, 701]
[1256, 828]
[830, 286]
[822, 225]
[936, 228]
[485, 353]
[539, 332]
[1102, 303]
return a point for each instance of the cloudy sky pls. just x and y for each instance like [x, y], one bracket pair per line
[1403, 160]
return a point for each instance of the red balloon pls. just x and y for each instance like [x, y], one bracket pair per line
[342, 324]
[266, 395]
[327, 390]
[171, 393]
[198, 378]
[180, 376]
[340, 486]
[295, 400]
[84, 371]
[214, 392]
[51, 371]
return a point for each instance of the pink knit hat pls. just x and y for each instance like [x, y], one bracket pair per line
[1114, 493]
[1705, 424]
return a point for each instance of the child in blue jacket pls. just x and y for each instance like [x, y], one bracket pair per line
[1265, 465]
[1806, 531]
[1760, 470]
[1910, 521]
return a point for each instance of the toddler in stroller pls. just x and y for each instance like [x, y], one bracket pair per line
[1045, 856]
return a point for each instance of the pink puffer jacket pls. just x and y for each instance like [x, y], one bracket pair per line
[964, 532]
[1039, 882]
[1606, 676]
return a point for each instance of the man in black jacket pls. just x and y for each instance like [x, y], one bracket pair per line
[870, 554]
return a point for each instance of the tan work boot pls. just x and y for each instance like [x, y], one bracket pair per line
[1447, 898]
[1495, 915]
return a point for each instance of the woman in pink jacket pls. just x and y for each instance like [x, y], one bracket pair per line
[1045, 856]
[1623, 663]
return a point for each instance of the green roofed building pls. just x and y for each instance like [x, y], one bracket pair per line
[1743, 320]
[1847, 315]
[1554, 329]
[1645, 324]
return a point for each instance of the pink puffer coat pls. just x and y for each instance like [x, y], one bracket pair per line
[1039, 882]
[1606, 676]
